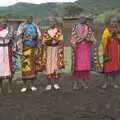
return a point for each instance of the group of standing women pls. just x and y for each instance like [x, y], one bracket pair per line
[44, 52]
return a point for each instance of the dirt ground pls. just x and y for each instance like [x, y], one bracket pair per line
[92, 104]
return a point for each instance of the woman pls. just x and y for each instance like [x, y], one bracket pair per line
[29, 36]
[84, 53]
[53, 55]
[6, 63]
[111, 52]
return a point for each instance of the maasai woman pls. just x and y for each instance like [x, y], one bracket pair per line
[6, 40]
[111, 52]
[82, 42]
[53, 57]
[29, 35]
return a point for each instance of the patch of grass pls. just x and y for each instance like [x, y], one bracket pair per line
[68, 59]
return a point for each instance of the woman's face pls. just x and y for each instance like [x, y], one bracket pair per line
[113, 23]
[4, 22]
[53, 26]
[29, 20]
[82, 20]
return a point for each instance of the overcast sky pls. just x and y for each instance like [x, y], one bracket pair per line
[10, 2]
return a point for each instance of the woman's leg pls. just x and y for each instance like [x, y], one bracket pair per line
[32, 86]
[56, 84]
[107, 81]
[49, 84]
[1, 85]
[56, 81]
[114, 81]
[25, 87]
[10, 85]
[76, 80]
[84, 77]
[76, 85]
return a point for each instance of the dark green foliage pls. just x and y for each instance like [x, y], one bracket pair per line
[23, 9]
[98, 6]
[94, 7]
[72, 10]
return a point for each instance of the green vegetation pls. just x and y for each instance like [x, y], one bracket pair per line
[95, 7]
[23, 9]
[103, 17]
[98, 6]
[72, 10]
[45, 22]
[68, 59]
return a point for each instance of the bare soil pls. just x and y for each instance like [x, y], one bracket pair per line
[92, 104]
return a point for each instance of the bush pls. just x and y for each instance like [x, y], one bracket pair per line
[72, 10]
[104, 17]
[45, 22]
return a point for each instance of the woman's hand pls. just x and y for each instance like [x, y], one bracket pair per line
[94, 41]
[74, 45]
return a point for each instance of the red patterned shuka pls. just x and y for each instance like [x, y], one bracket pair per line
[111, 50]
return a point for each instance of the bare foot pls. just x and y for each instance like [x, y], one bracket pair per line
[85, 87]
[9, 90]
[115, 86]
[75, 86]
[104, 86]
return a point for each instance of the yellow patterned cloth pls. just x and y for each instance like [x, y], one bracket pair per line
[28, 63]
[105, 37]
[29, 55]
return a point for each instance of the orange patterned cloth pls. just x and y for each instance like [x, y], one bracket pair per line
[52, 54]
